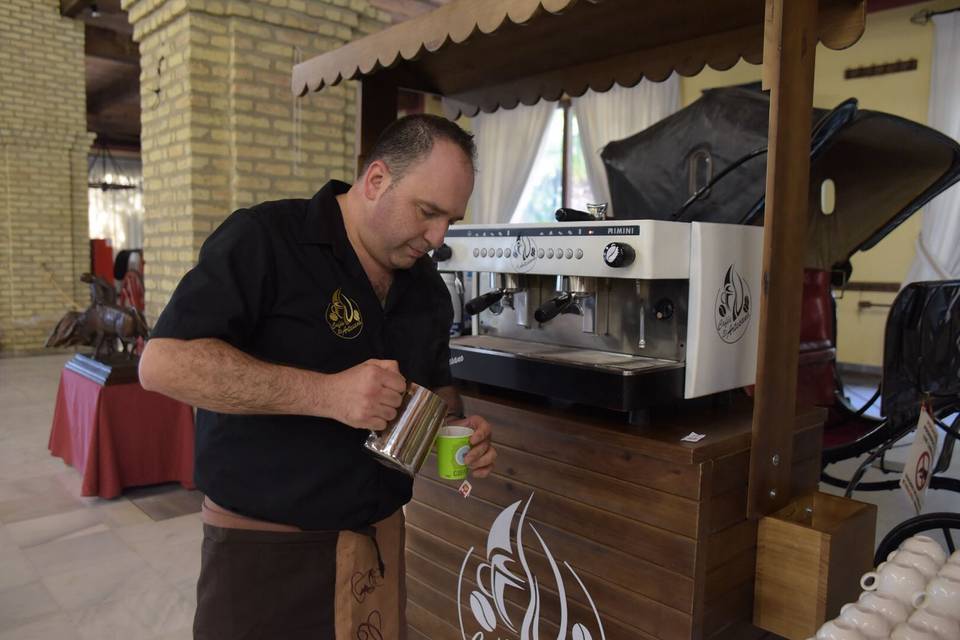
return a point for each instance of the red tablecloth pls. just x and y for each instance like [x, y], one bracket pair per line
[121, 435]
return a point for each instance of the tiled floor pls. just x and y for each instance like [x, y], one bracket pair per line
[75, 568]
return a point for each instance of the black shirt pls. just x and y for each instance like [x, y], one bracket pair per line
[281, 282]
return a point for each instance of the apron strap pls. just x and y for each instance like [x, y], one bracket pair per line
[371, 532]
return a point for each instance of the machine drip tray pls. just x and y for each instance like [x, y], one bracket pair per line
[621, 363]
[617, 381]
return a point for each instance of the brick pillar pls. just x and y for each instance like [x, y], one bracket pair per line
[43, 171]
[221, 130]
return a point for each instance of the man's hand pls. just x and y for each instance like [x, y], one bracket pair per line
[482, 455]
[365, 396]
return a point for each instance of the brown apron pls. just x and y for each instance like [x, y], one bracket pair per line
[266, 580]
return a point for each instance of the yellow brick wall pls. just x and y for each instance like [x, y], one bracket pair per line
[43, 171]
[221, 129]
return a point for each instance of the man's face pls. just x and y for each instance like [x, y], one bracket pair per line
[410, 217]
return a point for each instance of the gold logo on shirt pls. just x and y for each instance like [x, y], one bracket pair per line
[343, 316]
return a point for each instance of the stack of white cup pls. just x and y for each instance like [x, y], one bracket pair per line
[914, 595]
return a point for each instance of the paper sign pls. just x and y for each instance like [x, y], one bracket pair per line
[920, 459]
[693, 437]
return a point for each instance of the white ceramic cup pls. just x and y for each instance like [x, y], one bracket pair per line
[927, 545]
[910, 631]
[950, 570]
[894, 579]
[946, 628]
[919, 561]
[871, 623]
[839, 630]
[889, 607]
[954, 557]
[942, 597]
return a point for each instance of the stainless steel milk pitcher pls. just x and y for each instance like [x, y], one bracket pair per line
[407, 439]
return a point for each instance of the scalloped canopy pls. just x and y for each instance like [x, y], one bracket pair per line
[488, 54]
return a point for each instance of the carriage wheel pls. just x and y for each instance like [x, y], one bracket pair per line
[946, 522]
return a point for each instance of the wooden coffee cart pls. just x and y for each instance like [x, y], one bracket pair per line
[629, 532]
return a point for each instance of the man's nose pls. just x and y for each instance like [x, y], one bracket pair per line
[435, 233]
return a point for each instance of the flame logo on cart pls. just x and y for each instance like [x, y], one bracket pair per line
[733, 308]
[505, 597]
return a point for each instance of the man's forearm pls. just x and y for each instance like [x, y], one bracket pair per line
[214, 375]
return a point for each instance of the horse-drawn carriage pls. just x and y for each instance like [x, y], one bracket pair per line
[869, 172]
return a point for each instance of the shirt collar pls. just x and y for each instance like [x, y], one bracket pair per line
[324, 220]
[324, 225]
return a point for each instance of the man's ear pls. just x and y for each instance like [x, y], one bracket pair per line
[376, 180]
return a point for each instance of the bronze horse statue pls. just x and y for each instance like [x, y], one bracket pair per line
[101, 324]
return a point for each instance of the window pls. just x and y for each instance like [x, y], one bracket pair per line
[559, 174]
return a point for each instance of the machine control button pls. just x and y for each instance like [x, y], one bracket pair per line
[549, 253]
[618, 254]
[499, 253]
[579, 254]
[442, 253]
[569, 254]
[476, 252]
[540, 253]
[664, 309]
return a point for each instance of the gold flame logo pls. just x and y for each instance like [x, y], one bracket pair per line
[343, 316]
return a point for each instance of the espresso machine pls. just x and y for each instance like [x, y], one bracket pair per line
[622, 315]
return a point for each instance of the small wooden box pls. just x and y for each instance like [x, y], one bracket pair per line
[810, 556]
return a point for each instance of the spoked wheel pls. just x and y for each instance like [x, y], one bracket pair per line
[946, 522]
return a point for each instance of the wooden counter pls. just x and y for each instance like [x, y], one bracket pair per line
[654, 528]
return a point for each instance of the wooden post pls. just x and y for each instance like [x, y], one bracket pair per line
[790, 41]
[376, 109]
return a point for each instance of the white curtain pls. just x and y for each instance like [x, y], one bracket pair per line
[616, 114]
[938, 246]
[116, 214]
[507, 142]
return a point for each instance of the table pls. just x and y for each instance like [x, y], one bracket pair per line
[121, 435]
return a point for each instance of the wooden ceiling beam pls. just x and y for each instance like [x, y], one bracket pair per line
[119, 90]
[73, 8]
[117, 124]
[111, 45]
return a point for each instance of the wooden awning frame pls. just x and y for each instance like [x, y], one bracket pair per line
[488, 54]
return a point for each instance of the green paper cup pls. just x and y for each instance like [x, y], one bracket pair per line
[453, 443]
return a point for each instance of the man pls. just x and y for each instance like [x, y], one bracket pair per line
[295, 334]
[131, 287]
